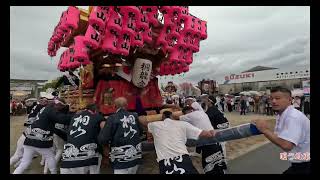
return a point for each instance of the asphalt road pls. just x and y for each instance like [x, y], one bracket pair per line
[263, 160]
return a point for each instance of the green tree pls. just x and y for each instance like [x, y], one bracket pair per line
[50, 84]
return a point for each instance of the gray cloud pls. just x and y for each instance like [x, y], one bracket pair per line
[239, 38]
[30, 31]
[290, 53]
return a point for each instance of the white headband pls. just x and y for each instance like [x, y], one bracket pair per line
[190, 98]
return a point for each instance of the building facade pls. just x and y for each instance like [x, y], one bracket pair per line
[262, 80]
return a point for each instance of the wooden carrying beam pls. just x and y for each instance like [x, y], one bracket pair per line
[158, 117]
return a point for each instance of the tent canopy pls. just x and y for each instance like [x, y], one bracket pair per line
[245, 93]
[20, 93]
[250, 93]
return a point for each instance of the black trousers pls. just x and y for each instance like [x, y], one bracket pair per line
[299, 168]
[213, 160]
[177, 165]
[229, 107]
[269, 111]
[242, 110]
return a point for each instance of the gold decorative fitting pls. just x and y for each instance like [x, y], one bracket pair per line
[106, 65]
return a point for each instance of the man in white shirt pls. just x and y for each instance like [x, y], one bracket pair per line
[190, 101]
[292, 132]
[251, 104]
[170, 137]
[210, 157]
[197, 118]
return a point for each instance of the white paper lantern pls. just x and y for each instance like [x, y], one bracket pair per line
[141, 72]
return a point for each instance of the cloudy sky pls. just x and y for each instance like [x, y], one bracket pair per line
[239, 38]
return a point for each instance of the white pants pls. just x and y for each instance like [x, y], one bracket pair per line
[16, 158]
[132, 170]
[19, 151]
[26, 160]
[94, 169]
[58, 144]
[223, 145]
[80, 170]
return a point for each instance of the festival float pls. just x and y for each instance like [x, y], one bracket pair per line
[122, 50]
